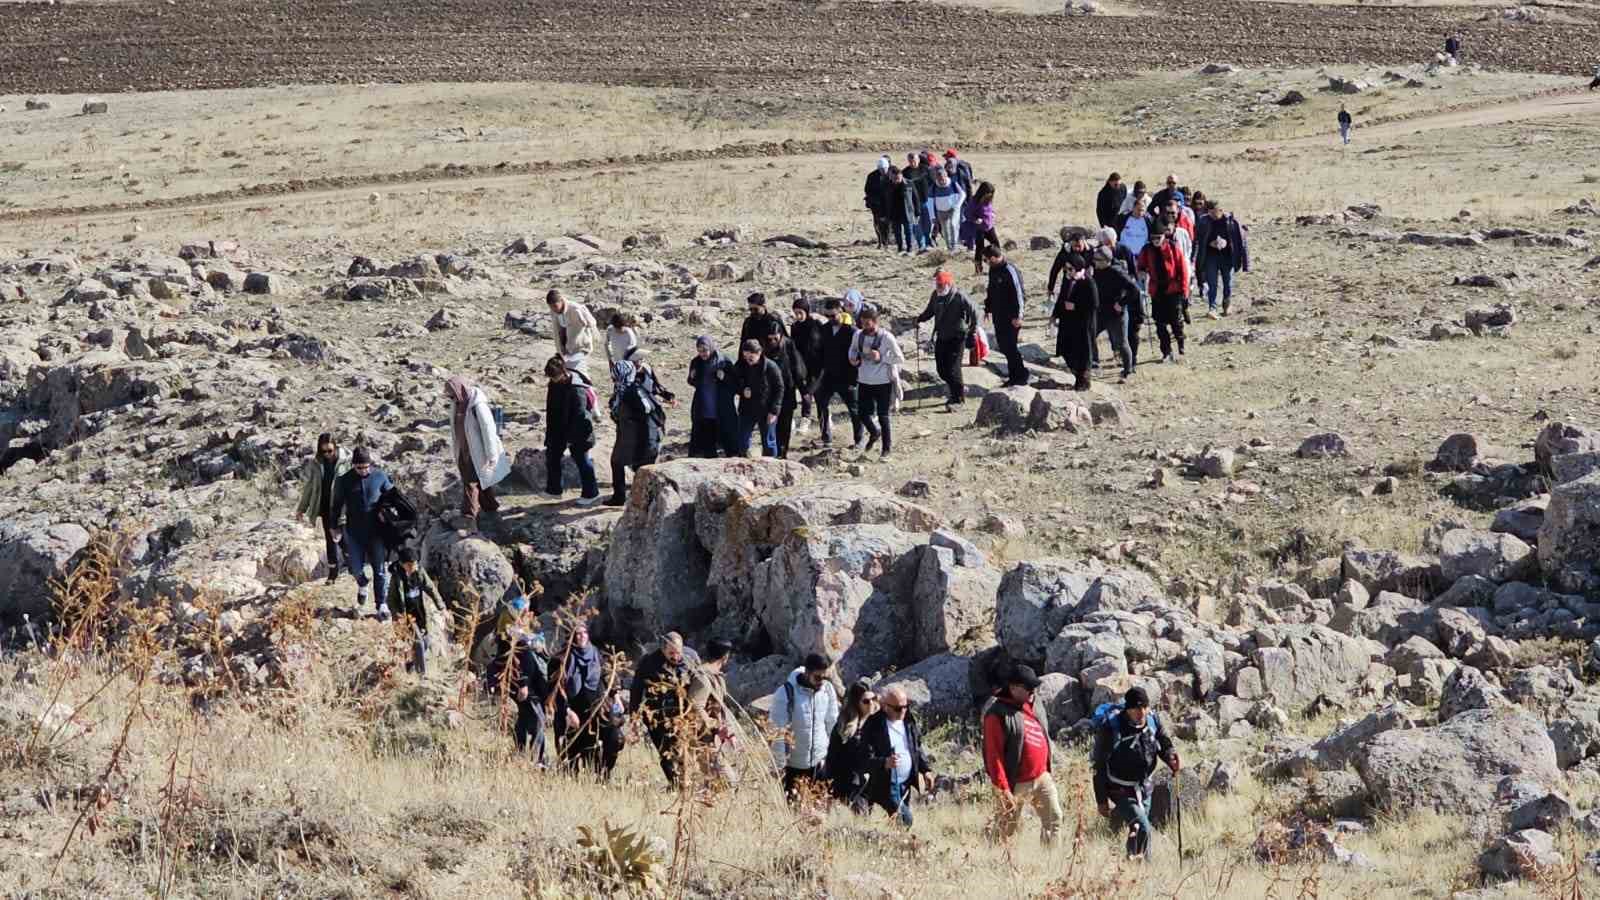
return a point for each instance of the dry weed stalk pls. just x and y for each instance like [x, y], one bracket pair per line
[1080, 881]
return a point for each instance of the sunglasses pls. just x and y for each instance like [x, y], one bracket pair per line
[328, 451]
[869, 699]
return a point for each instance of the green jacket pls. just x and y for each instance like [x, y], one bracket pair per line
[311, 483]
[399, 586]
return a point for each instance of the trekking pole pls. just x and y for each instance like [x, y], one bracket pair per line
[916, 335]
[1177, 812]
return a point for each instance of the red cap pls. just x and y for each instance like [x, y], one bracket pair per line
[950, 153]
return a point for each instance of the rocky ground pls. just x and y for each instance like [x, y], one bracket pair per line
[1351, 543]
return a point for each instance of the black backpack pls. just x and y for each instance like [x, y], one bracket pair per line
[397, 519]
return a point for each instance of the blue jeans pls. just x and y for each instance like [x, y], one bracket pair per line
[769, 434]
[1214, 268]
[925, 227]
[365, 551]
[900, 802]
[1134, 809]
[580, 459]
[1344, 133]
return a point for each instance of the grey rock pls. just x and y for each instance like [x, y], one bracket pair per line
[1461, 452]
[1037, 599]
[1522, 854]
[33, 553]
[1453, 768]
[1300, 663]
[1570, 532]
[1054, 411]
[1559, 438]
[937, 686]
[1547, 813]
[1007, 408]
[1323, 446]
[1215, 462]
[1522, 519]
[949, 601]
[1468, 689]
[1335, 751]
[472, 572]
[1573, 466]
[1486, 554]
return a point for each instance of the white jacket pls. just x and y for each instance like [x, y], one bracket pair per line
[810, 722]
[488, 455]
[580, 328]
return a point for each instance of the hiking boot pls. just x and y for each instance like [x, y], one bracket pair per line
[1225, 304]
[383, 612]
[589, 501]
[884, 456]
[615, 500]
[872, 441]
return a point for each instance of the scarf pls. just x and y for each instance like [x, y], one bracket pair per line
[583, 671]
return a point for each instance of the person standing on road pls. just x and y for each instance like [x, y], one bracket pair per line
[355, 497]
[1118, 299]
[317, 477]
[1126, 748]
[955, 320]
[1074, 315]
[1220, 250]
[575, 330]
[1016, 755]
[1345, 121]
[980, 218]
[1165, 269]
[758, 385]
[837, 376]
[1108, 203]
[569, 418]
[876, 355]
[481, 460]
[877, 196]
[1002, 306]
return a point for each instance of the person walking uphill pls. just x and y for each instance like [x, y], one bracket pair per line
[877, 194]
[1016, 755]
[792, 367]
[636, 407]
[412, 593]
[1165, 269]
[903, 212]
[578, 693]
[896, 760]
[713, 415]
[761, 320]
[575, 330]
[1220, 250]
[955, 321]
[837, 375]
[876, 355]
[1126, 747]
[1120, 309]
[758, 385]
[948, 199]
[804, 710]
[1076, 308]
[569, 418]
[356, 494]
[1108, 203]
[806, 333]
[1003, 305]
[481, 459]
[660, 694]
[316, 496]
[979, 224]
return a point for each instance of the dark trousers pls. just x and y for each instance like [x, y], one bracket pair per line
[785, 426]
[1134, 325]
[703, 439]
[793, 777]
[1005, 339]
[984, 238]
[846, 392]
[1115, 325]
[580, 458]
[336, 551]
[530, 728]
[1169, 322]
[902, 237]
[666, 743]
[875, 402]
[619, 473]
[579, 747]
[947, 359]
[1218, 267]
[880, 227]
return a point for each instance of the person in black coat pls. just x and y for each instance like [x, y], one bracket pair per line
[903, 212]
[714, 417]
[848, 764]
[836, 376]
[783, 351]
[569, 428]
[1119, 297]
[1003, 305]
[877, 200]
[806, 334]
[895, 756]
[641, 419]
[1108, 203]
[760, 320]
[955, 322]
[758, 386]
[1074, 315]
[519, 667]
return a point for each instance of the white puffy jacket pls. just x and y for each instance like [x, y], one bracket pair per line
[810, 722]
[488, 455]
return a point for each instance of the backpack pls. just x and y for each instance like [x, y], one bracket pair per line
[1105, 716]
[591, 401]
[397, 519]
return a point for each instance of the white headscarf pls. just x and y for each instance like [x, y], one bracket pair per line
[883, 163]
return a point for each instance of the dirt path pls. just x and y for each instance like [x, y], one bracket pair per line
[467, 178]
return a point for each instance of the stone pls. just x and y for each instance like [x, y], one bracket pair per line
[1486, 554]
[1300, 663]
[1460, 452]
[35, 552]
[1387, 570]
[1335, 751]
[1323, 446]
[724, 271]
[1352, 595]
[1225, 778]
[751, 680]
[1573, 466]
[1529, 853]
[1570, 534]
[1482, 320]
[1007, 408]
[966, 552]
[94, 106]
[949, 602]
[1291, 98]
[1575, 740]
[265, 283]
[1522, 519]
[1215, 462]
[1546, 813]
[1453, 767]
[769, 269]
[1468, 689]
[936, 686]
[1037, 599]
[1559, 438]
[1412, 651]
[1217, 69]
[472, 573]
[1056, 411]
[1062, 698]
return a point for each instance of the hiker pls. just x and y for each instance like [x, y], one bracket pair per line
[903, 212]
[948, 199]
[757, 383]
[806, 333]
[979, 218]
[959, 169]
[1016, 755]
[316, 496]
[570, 413]
[1183, 213]
[877, 194]
[637, 408]
[1129, 741]
[760, 320]
[577, 698]
[1165, 270]
[1074, 315]
[1133, 229]
[1002, 306]
[1220, 250]
[896, 757]
[915, 196]
[850, 305]
[356, 494]
[1185, 244]
[1596, 82]
[708, 698]
[1452, 46]
[1108, 203]
[1139, 192]
[1164, 198]
[481, 460]
[574, 328]
[848, 761]
[410, 589]
[792, 368]
[955, 320]
[713, 416]
[622, 336]
[804, 710]
[1119, 252]
[924, 185]
[613, 718]
[1345, 121]
[519, 667]
[660, 691]
[837, 375]
[1119, 306]
[876, 355]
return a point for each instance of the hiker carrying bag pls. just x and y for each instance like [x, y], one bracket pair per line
[397, 519]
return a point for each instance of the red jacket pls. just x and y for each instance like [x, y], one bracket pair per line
[1017, 733]
[1167, 268]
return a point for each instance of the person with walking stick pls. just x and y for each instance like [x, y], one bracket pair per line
[1128, 741]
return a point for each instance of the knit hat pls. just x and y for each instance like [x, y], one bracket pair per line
[1136, 698]
[943, 278]
[361, 457]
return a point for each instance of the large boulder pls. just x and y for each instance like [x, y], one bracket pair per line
[1299, 663]
[1388, 570]
[471, 570]
[1561, 438]
[34, 553]
[96, 381]
[1059, 411]
[1453, 768]
[1333, 752]
[1461, 452]
[657, 567]
[950, 602]
[1486, 554]
[837, 590]
[239, 565]
[1007, 408]
[1570, 535]
[1039, 598]
[1467, 689]
[1529, 853]
[937, 686]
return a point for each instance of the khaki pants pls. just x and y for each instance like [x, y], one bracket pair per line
[1041, 793]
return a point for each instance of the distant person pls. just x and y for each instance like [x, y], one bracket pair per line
[980, 223]
[804, 710]
[1220, 250]
[1108, 203]
[792, 368]
[758, 386]
[622, 336]
[916, 177]
[1452, 46]
[959, 169]
[1074, 314]
[1596, 82]
[481, 460]
[578, 695]
[1003, 304]
[356, 495]
[877, 195]
[848, 761]
[1126, 748]
[1016, 755]
[903, 213]
[570, 414]
[837, 377]
[850, 304]
[574, 327]
[1164, 198]
[713, 412]
[1165, 270]
[317, 477]
[948, 200]
[760, 320]
[660, 697]
[925, 181]
[897, 760]
[520, 667]
[1345, 121]
[806, 333]
[876, 355]
[1119, 301]
[638, 407]
[955, 321]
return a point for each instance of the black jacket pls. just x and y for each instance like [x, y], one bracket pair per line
[806, 335]
[836, 355]
[876, 197]
[1115, 288]
[1128, 261]
[954, 317]
[847, 764]
[661, 687]
[793, 369]
[758, 325]
[1228, 228]
[1162, 199]
[1344, 117]
[1122, 752]
[1056, 268]
[527, 671]
[566, 416]
[1005, 297]
[1108, 203]
[903, 202]
[764, 380]
[1075, 335]
[875, 733]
